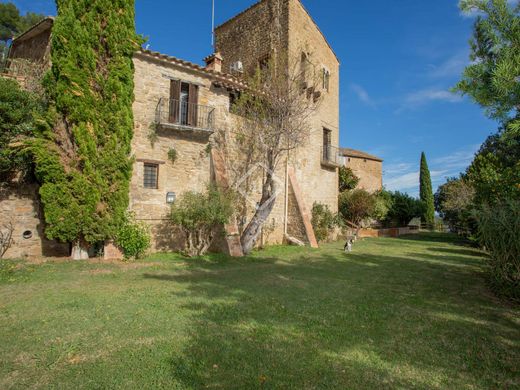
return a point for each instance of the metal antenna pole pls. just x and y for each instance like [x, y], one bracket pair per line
[213, 25]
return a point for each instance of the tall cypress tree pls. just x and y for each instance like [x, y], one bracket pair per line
[83, 159]
[426, 192]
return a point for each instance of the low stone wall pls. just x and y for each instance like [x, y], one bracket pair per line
[390, 232]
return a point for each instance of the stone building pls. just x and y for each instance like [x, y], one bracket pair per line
[181, 108]
[368, 168]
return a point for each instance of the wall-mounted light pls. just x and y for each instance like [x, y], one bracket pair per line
[170, 197]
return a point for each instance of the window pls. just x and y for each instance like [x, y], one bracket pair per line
[151, 175]
[233, 98]
[183, 108]
[327, 142]
[326, 79]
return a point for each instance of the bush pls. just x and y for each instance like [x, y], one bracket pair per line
[133, 238]
[499, 228]
[403, 209]
[347, 179]
[356, 205]
[383, 204]
[199, 215]
[323, 221]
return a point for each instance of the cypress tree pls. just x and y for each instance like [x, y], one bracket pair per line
[426, 192]
[83, 158]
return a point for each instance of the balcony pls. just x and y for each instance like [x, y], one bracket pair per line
[331, 156]
[175, 114]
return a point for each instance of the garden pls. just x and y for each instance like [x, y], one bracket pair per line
[413, 312]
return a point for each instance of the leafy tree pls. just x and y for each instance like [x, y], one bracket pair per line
[347, 179]
[199, 216]
[19, 111]
[383, 204]
[404, 208]
[495, 170]
[83, 162]
[454, 202]
[426, 192]
[492, 78]
[356, 205]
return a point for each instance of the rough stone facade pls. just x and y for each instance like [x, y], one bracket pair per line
[368, 168]
[269, 28]
[20, 205]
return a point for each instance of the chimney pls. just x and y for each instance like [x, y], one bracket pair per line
[214, 62]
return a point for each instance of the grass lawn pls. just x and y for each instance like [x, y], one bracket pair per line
[413, 312]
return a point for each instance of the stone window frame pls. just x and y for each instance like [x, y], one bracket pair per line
[326, 75]
[151, 163]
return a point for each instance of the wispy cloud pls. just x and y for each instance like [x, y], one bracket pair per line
[474, 12]
[362, 94]
[424, 96]
[404, 176]
[452, 67]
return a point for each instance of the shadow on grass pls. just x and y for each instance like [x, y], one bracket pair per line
[330, 320]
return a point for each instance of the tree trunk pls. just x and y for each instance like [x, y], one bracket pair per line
[79, 250]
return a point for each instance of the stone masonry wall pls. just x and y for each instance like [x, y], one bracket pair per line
[319, 183]
[253, 34]
[20, 205]
[370, 172]
[34, 49]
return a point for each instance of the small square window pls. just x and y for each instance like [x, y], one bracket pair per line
[151, 174]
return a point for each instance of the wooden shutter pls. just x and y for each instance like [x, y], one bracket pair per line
[174, 103]
[193, 100]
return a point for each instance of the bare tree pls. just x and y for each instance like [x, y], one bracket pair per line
[6, 237]
[273, 119]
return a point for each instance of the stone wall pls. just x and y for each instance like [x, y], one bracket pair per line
[369, 172]
[20, 205]
[35, 49]
[254, 34]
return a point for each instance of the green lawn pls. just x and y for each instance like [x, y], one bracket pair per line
[413, 312]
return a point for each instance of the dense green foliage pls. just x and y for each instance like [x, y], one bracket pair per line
[356, 205]
[323, 221]
[19, 113]
[84, 163]
[403, 209]
[347, 179]
[201, 216]
[426, 192]
[454, 201]
[499, 232]
[492, 78]
[383, 204]
[495, 170]
[407, 313]
[133, 238]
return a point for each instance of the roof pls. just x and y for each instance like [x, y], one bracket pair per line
[347, 152]
[38, 28]
[303, 7]
[223, 79]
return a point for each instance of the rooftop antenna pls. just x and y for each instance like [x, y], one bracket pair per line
[213, 25]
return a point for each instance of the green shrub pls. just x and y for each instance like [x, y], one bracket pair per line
[133, 238]
[323, 221]
[200, 215]
[347, 179]
[356, 205]
[499, 233]
[403, 209]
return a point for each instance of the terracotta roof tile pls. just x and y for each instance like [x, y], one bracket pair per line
[347, 152]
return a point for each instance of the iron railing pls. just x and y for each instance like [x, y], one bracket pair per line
[175, 113]
[330, 155]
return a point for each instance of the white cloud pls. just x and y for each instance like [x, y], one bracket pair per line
[473, 13]
[453, 66]
[362, 94]
[424, 96]
[457, 160]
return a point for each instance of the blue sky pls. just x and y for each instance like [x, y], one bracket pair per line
[398, 61]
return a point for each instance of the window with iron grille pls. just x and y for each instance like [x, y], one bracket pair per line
[151, 174]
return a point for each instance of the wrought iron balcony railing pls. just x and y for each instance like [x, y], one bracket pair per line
[331, 156]
[179, 114]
